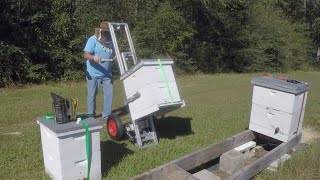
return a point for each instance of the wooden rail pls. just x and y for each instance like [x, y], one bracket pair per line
[179, 168]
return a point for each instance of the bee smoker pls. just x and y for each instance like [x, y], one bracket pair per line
[61, 108]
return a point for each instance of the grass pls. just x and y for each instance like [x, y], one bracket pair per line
[218, 106]
[304, 166]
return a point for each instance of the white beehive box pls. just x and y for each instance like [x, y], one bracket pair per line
[146, 78]
[278, 107]
[64, 149]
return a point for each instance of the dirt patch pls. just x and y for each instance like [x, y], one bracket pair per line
[308, 135]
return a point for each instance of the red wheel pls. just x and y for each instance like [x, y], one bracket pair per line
[112, 127]
[115, 127]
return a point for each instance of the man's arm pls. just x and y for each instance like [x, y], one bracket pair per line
[91, 57]
[89, 49]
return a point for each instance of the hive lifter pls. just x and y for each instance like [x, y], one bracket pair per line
[150, 88]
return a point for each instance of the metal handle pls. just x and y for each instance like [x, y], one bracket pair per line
[108, 60]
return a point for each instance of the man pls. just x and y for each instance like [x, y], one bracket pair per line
[98, 71]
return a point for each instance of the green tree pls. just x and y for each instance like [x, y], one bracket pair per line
[164, 34]
[308, 12]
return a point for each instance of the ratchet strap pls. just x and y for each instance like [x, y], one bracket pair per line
[50, 117]
[165, 81]
[87, 139]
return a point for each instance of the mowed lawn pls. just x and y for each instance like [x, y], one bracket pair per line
[217, 106]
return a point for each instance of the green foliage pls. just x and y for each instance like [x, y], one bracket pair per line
[277, 44]
[316, 27]
[307, 12]
[166, 33]
[42, 32]
[44, 40]
[12, 65]
[37, 73]
[295, 9]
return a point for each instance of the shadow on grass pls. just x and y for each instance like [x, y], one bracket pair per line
[111, 154]
[171, 127]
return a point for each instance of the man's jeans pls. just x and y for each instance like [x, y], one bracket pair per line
[93, 85]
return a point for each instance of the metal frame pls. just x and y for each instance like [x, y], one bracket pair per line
[142, 130]
[121, 56]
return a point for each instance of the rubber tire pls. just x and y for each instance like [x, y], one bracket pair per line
[114, 124]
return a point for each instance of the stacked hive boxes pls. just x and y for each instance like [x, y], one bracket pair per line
[148, 79]
[278, 107]
[64, 149]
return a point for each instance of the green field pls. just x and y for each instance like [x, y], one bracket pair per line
[217, 106]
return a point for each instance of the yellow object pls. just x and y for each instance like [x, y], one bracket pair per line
[73, 103]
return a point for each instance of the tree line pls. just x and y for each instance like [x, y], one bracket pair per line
[43, 40]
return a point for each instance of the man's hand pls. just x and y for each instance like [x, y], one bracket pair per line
[96, 58]
[89, 56]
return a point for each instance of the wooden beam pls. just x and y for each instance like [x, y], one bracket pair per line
[199, 157]
[177, 169]
[263, 162]
[168, 172]
[156, 175]
[174, 172]
[213, 151]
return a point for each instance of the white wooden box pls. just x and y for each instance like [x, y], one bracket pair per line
[278, 112]
[64, 149]
[146, 79]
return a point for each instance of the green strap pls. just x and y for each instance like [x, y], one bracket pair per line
[165, 81]
[85, 125]
[50, 117]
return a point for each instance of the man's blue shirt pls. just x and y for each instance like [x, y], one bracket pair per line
[99, 69]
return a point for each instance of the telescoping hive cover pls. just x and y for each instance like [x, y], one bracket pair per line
[290, 86]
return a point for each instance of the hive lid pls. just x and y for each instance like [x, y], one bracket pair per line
[70, 127]
[290, 86]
